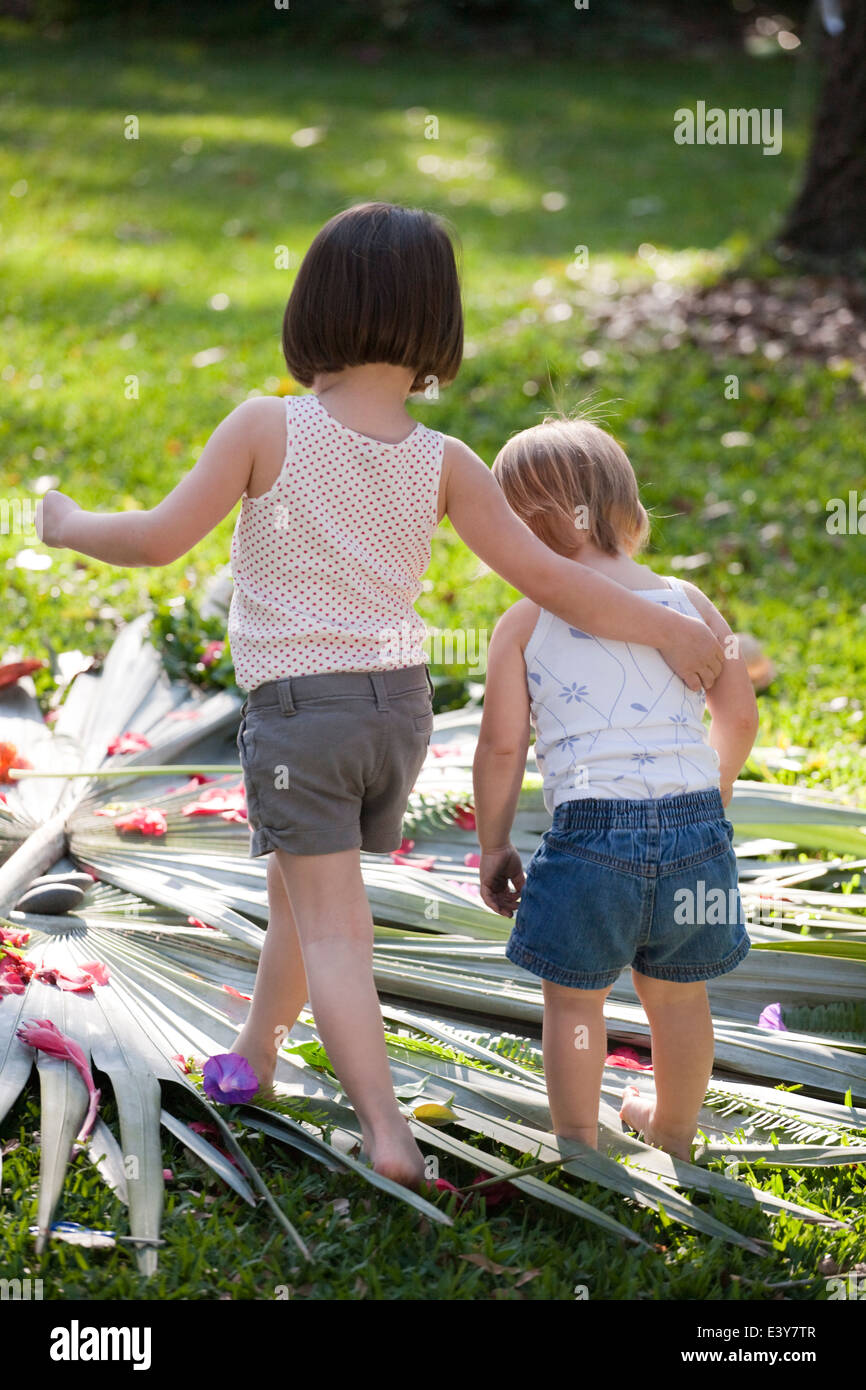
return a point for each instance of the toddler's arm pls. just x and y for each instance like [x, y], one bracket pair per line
[480, 514]
[500, 758]
[731, 702]
[189, 512]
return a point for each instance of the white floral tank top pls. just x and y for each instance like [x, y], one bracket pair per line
[327, 564]
[611, 718]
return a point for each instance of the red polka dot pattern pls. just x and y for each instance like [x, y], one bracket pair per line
[327, 564]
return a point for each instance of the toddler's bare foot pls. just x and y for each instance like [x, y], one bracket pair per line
[639, 1114]
[397, 1156]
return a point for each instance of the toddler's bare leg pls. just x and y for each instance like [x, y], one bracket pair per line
[281, 985]
[682, 1047]
[574, 1042]
[335, 929]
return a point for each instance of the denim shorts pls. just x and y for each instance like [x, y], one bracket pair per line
[329, 760]
[651, 884]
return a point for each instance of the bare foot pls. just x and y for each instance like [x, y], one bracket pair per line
[397, 1156]
[639, 1114]
[262, 1060]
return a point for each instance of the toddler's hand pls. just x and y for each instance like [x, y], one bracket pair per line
[695, 654]
[51, 512]
[499, 868]
[727, 791]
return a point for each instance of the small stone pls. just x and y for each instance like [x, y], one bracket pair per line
[75, 876]
[51, 899]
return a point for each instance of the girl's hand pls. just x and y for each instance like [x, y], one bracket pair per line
[727, 791]
[51, 513]
[499, 868]
[695, 653]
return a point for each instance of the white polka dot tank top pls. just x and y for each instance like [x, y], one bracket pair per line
[327, 564]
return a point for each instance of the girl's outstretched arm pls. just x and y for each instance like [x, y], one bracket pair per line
[199, 502]
[481, 516]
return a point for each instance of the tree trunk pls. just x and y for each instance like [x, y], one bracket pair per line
[829, 217]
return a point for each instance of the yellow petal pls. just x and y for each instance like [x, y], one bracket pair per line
[434, 1114]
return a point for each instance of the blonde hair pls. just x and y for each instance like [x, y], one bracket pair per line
[570, 481]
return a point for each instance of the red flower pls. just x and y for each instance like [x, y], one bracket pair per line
[9, 758]
[627, 1057]
[14, 938]
[127, 743]
[197, 780]
[194, 922]
[400, 858]
[15, 973]
[228, 802]
[236, 992]
[443, 1185]
[211, 1133]
[148, 820]
[212, 652]
[496, 1193]
[472, 861]
[41, 1033]
[94, 973]
[464, 816]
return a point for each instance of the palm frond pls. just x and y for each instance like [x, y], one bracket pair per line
[461, 1022]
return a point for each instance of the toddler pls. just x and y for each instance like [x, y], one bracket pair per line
[637, 868]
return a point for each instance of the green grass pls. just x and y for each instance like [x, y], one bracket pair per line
[366, 1245]
[116, 249]
[111, 259]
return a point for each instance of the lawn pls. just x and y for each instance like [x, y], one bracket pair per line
[125, 260]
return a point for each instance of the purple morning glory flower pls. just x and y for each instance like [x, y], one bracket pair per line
[229, 1079]
[772, 1018]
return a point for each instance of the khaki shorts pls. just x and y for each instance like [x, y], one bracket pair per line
[329, 761]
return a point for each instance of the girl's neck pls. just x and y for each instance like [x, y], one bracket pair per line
[620, 567]
[370, 399]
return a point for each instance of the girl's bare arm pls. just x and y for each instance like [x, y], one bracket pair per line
[731, 702]
[500, 757]
[199, 502]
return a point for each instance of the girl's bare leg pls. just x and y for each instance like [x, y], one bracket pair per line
[683, 1046]
[281, 984]
[574, 1042]
[335, 929]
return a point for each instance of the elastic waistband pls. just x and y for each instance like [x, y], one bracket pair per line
[294, 690]
[664, 810]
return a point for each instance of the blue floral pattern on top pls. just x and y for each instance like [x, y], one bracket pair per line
[611, 718]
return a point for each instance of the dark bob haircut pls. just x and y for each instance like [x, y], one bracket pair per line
[378, 284]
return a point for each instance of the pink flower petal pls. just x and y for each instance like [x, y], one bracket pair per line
[127, 743]
[771, 1018]
[41, 1033]
[147, 820]
[627, 1057]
